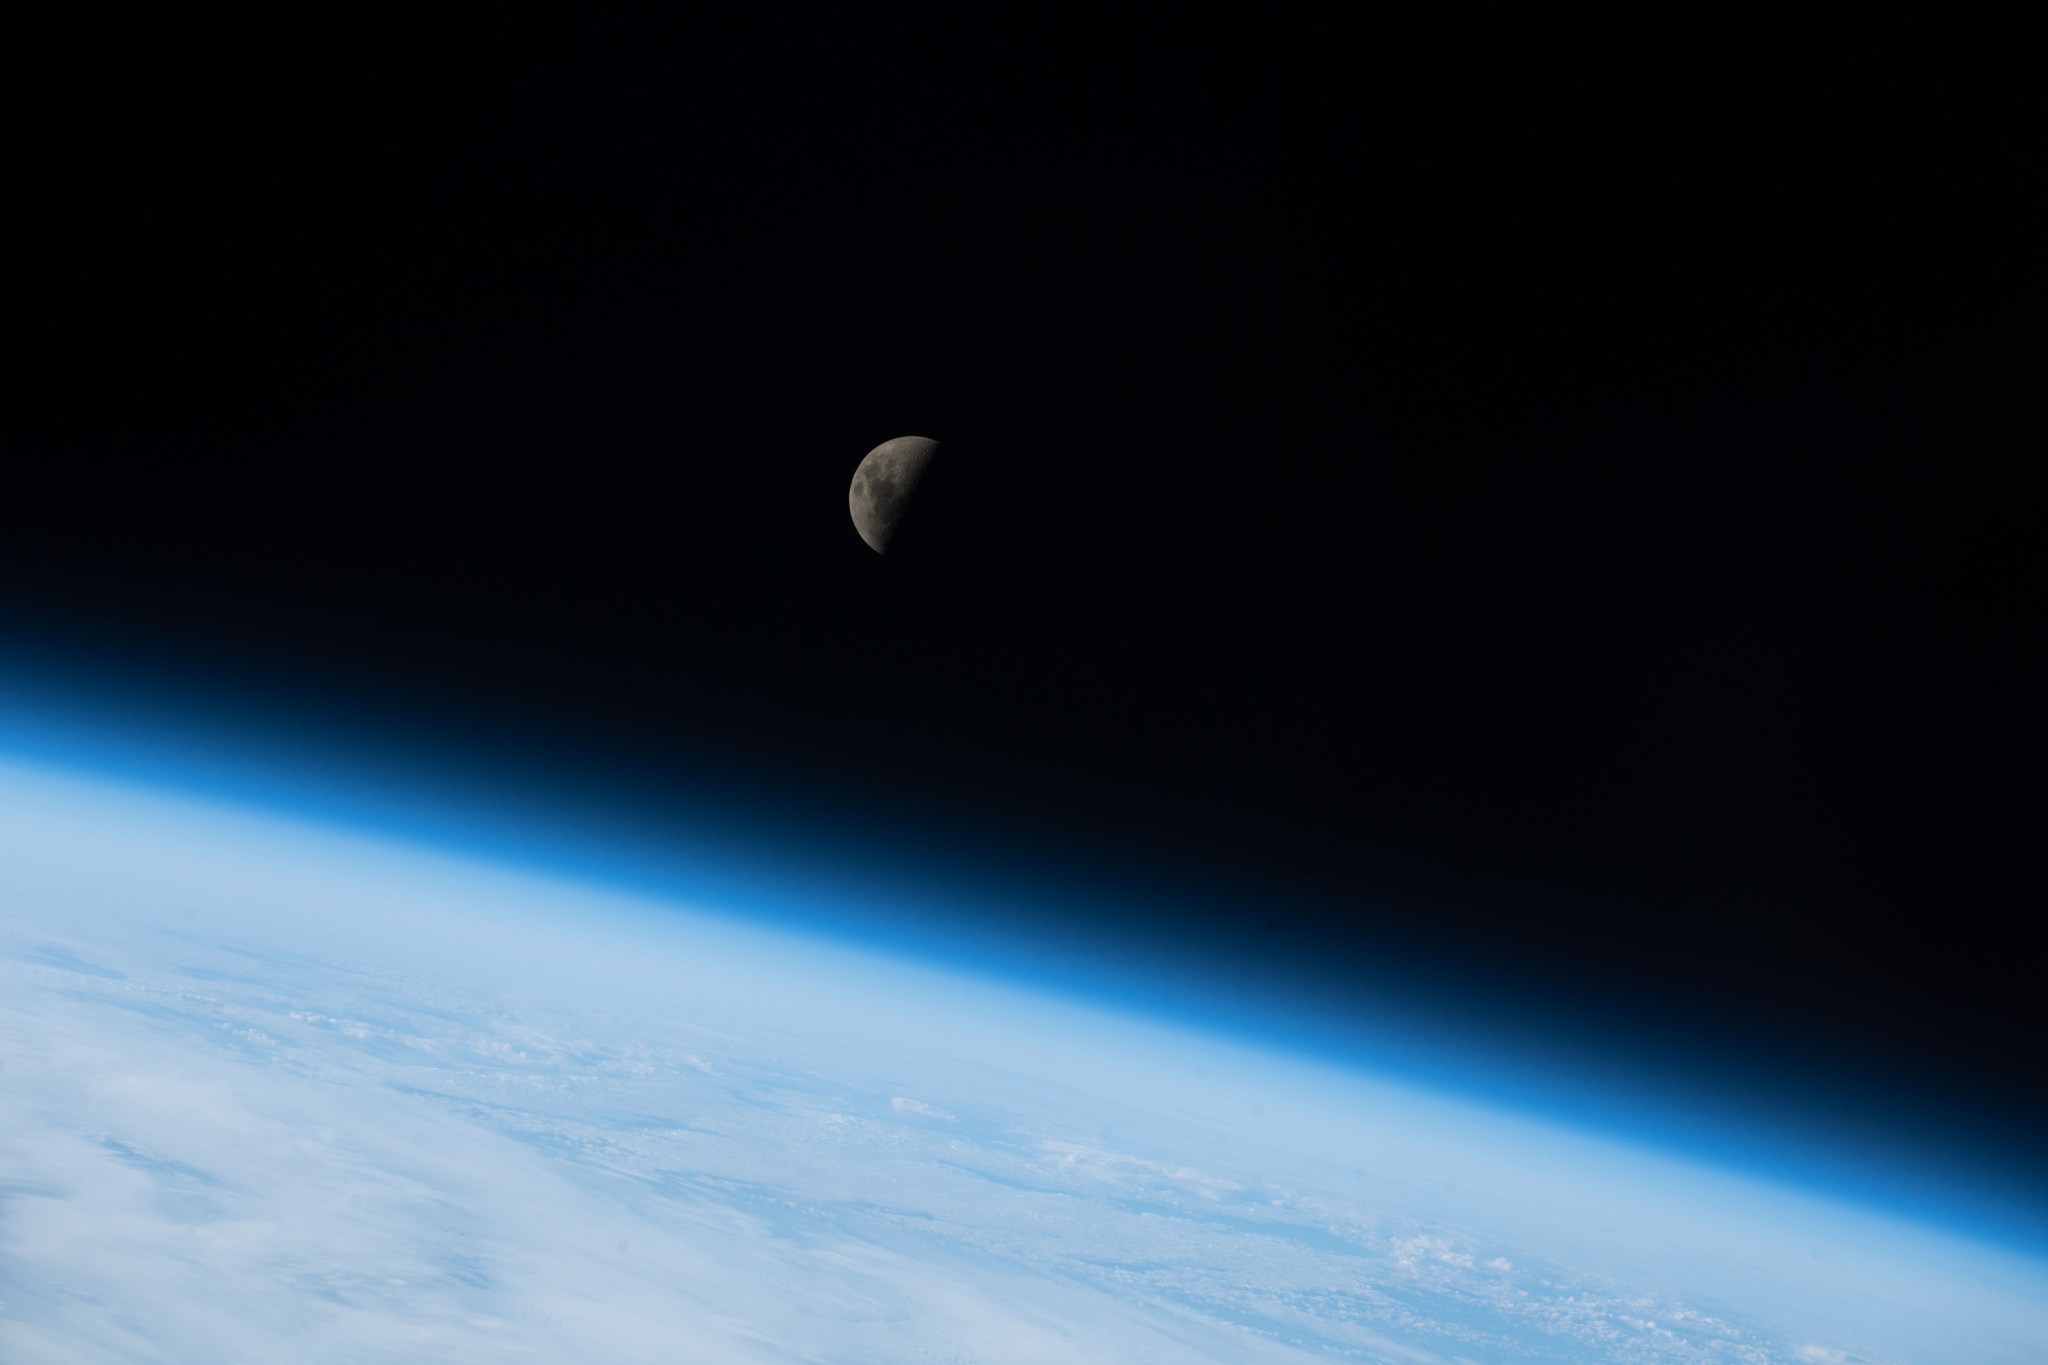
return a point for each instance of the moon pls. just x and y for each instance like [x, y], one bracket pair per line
[883, 485]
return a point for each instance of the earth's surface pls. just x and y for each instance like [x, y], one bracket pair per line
[273, 1092]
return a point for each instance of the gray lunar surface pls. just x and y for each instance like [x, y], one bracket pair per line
[883, 486]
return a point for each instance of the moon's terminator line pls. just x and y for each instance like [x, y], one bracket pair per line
[882, 487]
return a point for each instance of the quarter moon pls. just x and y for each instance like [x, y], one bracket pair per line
[883, 485]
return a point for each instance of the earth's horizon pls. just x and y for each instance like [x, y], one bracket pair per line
[274, 1090]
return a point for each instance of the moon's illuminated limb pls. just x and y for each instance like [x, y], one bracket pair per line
[883, 485]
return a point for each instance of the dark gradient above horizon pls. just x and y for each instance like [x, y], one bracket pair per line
[709, 825]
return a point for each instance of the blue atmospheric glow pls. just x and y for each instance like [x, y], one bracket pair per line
[707, 834]
[283, 1089]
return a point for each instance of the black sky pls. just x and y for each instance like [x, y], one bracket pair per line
[1555, 508]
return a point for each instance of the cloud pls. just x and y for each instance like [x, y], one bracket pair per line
[351, 1193]
[233, 1145]
[904, 1106]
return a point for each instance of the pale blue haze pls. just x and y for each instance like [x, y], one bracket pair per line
[272, 1090]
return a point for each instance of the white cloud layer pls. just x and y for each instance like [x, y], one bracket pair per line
[253, 1131]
